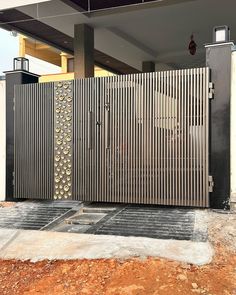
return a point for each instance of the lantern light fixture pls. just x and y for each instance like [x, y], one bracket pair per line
[21, 63]
[221, 34]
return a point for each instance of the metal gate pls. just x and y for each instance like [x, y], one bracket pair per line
[139, 138]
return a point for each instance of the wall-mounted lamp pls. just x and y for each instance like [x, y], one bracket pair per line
[13, 33]
[221, 34]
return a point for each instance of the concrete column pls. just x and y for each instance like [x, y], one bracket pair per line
[148, 66]
[218, 59]
[13, 78]
[22, 46]
[83, 51]
[64, 66]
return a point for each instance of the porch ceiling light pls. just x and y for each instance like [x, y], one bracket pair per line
[221, 34]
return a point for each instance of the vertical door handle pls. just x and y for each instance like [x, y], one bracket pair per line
[90, 130]
[107, 126]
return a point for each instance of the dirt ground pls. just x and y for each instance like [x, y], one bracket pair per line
[133, 276]
[7, 204]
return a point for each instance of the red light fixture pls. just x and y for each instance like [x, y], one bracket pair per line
[192, 46]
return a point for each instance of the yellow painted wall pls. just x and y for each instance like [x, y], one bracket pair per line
[70, 76]
[56, 77]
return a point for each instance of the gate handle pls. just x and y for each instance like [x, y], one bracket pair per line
[107, 126]
[90, 120]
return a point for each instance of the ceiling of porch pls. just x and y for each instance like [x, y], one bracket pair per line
[159, 30]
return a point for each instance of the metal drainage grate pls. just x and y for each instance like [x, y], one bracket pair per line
[33, 215]
[153, 222]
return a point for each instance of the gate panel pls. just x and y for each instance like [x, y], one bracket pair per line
[33, 161]
[63, 139]
[87, 143]
[139, 138]
[158, 138]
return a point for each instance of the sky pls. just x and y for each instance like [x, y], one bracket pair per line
[9, 48]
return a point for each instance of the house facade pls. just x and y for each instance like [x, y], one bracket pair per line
[29, 48]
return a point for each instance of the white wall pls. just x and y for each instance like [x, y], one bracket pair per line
[2, 140]
[41, 67]
[233, 129]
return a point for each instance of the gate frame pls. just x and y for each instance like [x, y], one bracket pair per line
[96, 93]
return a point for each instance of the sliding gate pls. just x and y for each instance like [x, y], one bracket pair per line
[139, 138]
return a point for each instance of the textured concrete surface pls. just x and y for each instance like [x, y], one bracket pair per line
[6, 236]
[107, 219]
[39, 245]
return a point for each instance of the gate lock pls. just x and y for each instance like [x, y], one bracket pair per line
[211, 183]
[211, 90]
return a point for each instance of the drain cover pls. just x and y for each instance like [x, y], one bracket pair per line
[33, 215]
[153, 222]
[85, 218]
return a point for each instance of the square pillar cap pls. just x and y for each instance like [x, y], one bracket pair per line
[21, 71]
[231, 43]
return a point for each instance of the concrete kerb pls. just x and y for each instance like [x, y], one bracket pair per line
[39, 245]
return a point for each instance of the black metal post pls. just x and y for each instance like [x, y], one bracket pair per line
[218, 59]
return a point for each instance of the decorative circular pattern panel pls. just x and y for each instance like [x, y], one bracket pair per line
[63, 140]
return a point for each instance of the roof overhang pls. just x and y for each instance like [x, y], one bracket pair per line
[104, 6]
[14, 4]
[13, 19]
[127, 34]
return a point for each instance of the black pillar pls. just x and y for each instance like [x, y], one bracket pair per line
[83, 51]
[13, 78]
[148, 66]
[218, 59]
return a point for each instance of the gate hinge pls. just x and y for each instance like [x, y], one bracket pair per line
[211, 90]
[210, 183]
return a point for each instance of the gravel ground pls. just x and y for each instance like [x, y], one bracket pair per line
[222, 229]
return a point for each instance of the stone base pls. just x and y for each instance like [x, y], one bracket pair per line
[233, 206]
[233, 203]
